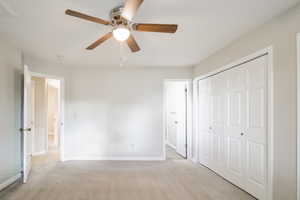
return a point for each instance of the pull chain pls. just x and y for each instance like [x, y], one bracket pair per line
[122, 55]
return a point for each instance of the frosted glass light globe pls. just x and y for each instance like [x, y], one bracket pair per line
[121, 34]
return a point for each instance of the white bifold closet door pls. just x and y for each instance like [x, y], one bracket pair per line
[233, 125]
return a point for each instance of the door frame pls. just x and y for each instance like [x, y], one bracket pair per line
[33, 88]
[189, 119]
[270, 116]
[61, 114]
[298, 115]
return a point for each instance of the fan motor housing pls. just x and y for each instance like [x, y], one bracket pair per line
[116, 18]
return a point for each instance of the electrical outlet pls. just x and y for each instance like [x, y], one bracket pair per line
[132, 147]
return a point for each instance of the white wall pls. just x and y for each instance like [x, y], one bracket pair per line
[281, 34]
[113, 113]
[10, 111]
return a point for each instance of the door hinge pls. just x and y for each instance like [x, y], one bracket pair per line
[185, 90]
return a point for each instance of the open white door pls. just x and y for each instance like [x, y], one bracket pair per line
[181, 99]
[27, 123]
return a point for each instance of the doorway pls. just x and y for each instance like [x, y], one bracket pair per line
[35, 120]
[176, 119]
[53, 112]
[46, 122]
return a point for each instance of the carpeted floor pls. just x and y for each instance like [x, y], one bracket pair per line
[121, 180]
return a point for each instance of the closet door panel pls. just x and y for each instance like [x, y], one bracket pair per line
[217, 123]
[216, 133]
[256, 128]
[235, 120]
[205, 139]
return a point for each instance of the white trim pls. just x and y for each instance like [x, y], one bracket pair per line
[190, 119]
[39, 153]
[95, 158]
[269, 52]
[62, 111]
[189, 116]
[10, 181]
[270, 139]
[46, 112]
[195, 135]
[33, 116]
[164, 137]
[238, 62]
[170, 145]
[298, 116]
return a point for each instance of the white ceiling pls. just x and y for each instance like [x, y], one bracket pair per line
[42, 30]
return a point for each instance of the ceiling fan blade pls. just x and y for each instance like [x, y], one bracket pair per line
[130, 8]
[161, 28]
[100, 41]
[132, 44]
[86, 17]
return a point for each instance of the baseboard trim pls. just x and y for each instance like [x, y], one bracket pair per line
[171, 145]
[10, 181]
[113, 158]
[39, 153]
[194, 160]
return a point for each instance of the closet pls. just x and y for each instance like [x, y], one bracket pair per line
[233, 125]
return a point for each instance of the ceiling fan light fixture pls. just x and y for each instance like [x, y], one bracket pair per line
[121, 34]
[122, 24]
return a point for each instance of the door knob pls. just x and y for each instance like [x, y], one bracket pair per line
[176, 122]
[242, 134]
[25, 129]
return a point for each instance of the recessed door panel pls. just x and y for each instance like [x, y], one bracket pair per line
[234, 163]
[205, 151]
[256, 163]
[256, 106]
[234, 113]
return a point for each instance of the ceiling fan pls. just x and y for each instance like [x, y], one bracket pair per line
[122, 25]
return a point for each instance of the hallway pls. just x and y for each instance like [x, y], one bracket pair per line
[172, 154]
